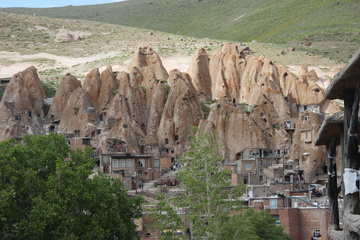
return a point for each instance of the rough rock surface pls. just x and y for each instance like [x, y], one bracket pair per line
[92, 85]
[240, 127]
[311, 158]
[182, 110]
[146, 107]
[64, 36]
[78, 117]
[21, 106]
[66, 87]
[200, 75]
[108, 85]
[145, 57]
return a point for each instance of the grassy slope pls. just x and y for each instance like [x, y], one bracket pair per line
[238, 20]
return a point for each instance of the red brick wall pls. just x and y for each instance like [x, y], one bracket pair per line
[300, 222]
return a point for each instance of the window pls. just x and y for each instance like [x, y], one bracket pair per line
[285, 151]
[75, 111]
[166, 141]
[94, 153]
[270, 163]
[248, 166]
[306, 117]
[260, 163]
[77, 133]
[128, 163]
[115, 163]
[273, 204]
[86, 141]
[141, 163]
[142, 149]
[306, 136]
[316, 232]
[122, 163]
[156, 162]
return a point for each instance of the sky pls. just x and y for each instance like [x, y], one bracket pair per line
[51, 3]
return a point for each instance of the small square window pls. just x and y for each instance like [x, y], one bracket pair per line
[128, 163]
[115, 163]
[86, 142]
[122, 163]
[141, 163]
[156, 162]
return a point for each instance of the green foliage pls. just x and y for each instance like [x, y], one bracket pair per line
[115, 92]
[167, 219]
[251, 225]
[208, 192]
[209, 200]
[206, 109]
[46, 193]
[238, 20]
[2, 90]
[49, 88]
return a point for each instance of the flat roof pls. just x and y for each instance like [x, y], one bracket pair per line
[347, 78]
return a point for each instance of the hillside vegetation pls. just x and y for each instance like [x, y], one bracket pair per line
[276, 21]
[239, 20]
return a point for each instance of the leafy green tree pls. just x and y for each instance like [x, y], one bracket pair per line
[253, 225]
[167, 219]
[46, 193]
[208, 194]
[212, 207]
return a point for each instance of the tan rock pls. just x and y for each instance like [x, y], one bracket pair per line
[307, 76]
[109, 84]
[240, 126]
[146, 57]
[199, 73]
[66, 87]
[64, 36]
[92, 85]
[78, 117]
[182, 110]
[311, 158]
[21, 106]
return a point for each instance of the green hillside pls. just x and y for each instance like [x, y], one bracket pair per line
[238, 20]
[332, 27]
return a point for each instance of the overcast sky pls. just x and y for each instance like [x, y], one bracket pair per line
[51, 3]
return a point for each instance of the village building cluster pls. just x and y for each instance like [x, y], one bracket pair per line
[137, 126]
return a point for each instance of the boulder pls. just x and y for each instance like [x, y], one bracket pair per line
[146, 57]
[64, 36]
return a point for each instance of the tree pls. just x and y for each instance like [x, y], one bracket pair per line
[46, 193]
[208, 193]
[212, 208]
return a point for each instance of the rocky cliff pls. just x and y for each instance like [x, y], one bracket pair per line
[251, 103]
[21, 106]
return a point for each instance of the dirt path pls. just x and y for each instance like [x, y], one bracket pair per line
[16, 62]
[76, 66]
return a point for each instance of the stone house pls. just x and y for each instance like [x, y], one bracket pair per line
[299, 217]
